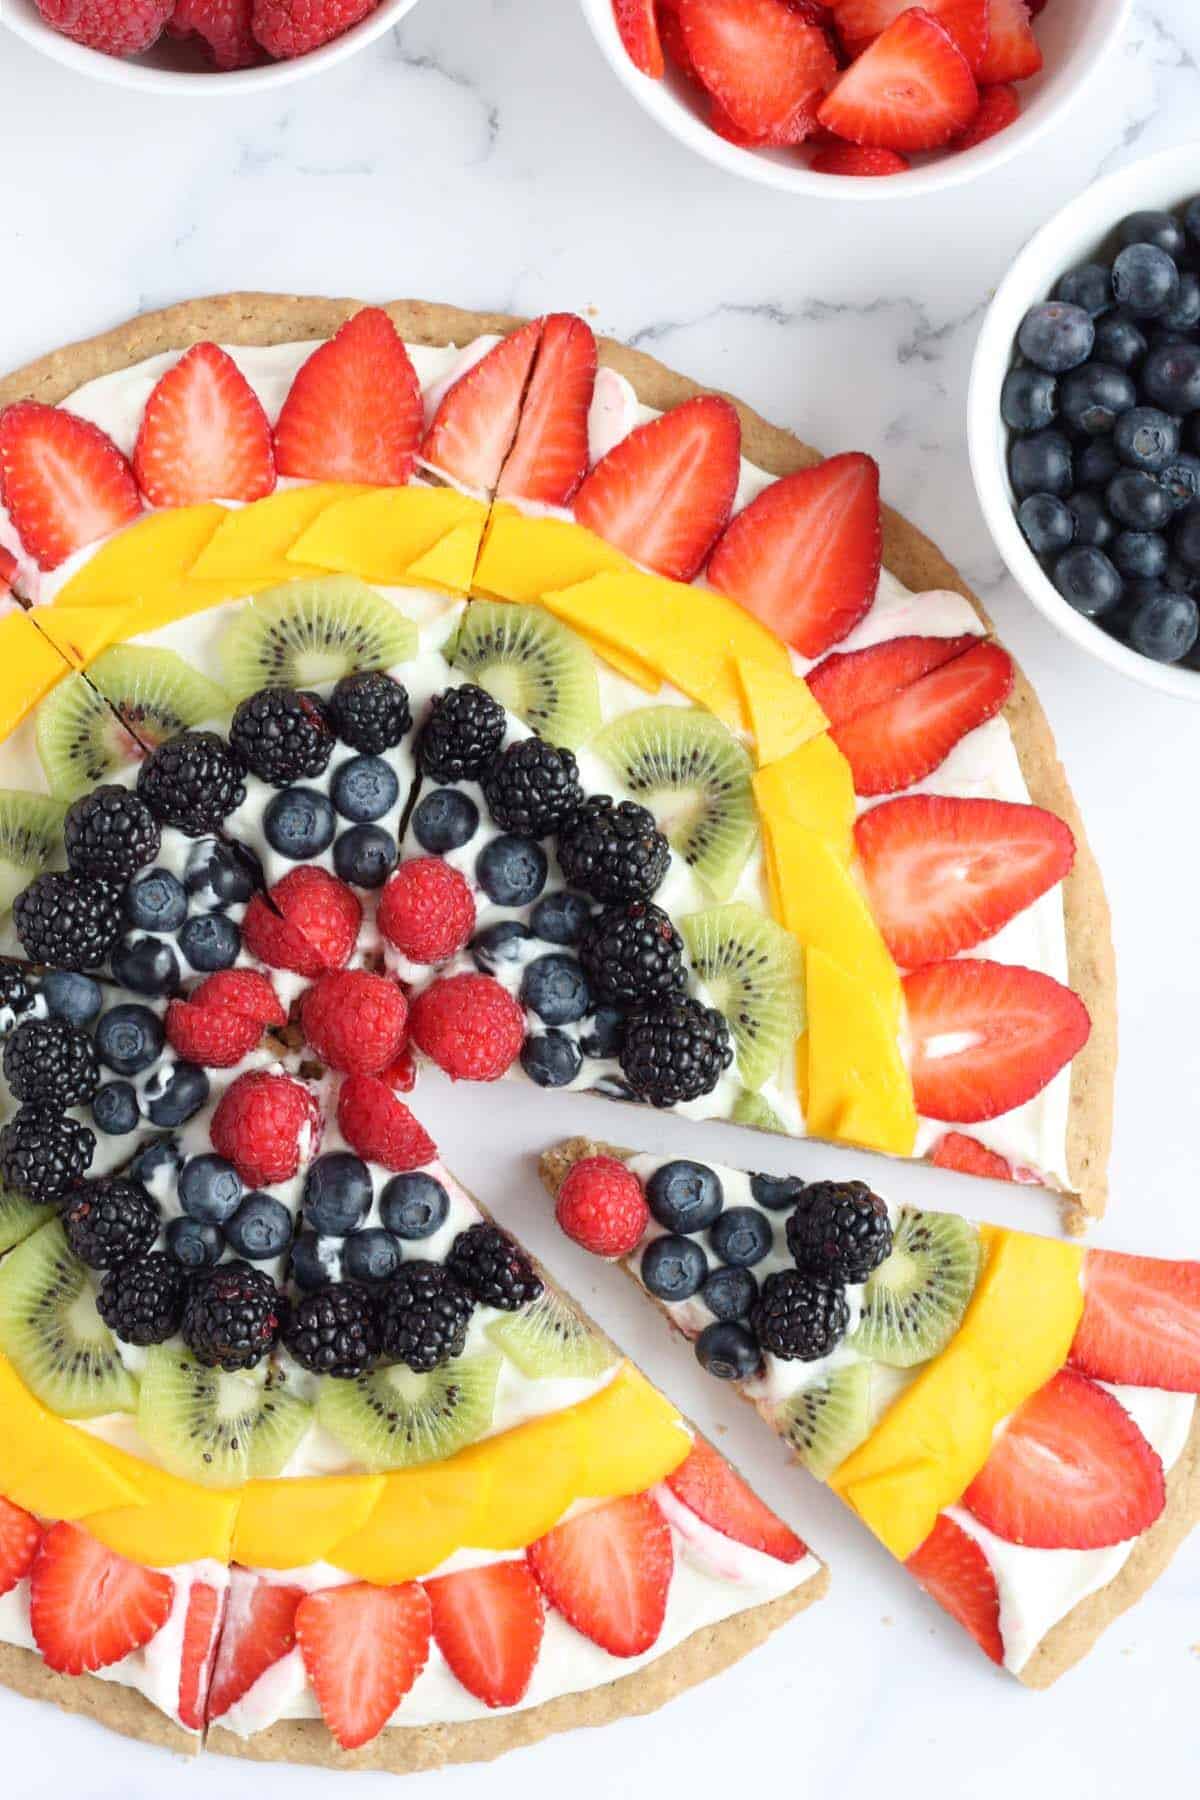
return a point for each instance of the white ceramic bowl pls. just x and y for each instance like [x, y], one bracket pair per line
[1074, 36]
[1071, 237]
[179, 67]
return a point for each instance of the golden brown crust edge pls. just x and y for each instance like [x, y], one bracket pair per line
[109, 1704]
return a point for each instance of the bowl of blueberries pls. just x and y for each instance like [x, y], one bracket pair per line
[1084, 421]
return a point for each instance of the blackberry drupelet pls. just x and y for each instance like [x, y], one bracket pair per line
[533, 788]
[632, 953]
[70, 921]
[334, 1331]
[462, 735]
[192, 781]
[840, 1229]
[51, 1063]
[282, 735]
[109, 1221]
[43, 1153]
[370, 711]
[16, 994]
[142, 1302]
[110, 833]
[423, 1316]
[799, 1317]
[613, 852]
[232, 1316]
[493, 1267]
[674, 1049]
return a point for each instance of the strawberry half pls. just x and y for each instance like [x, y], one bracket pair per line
[998, 108]
[1013, 52]
[20, 1535]
[955, 1150]
[1068, 1471]
[89, 1607]
[354, 411]
[860, 22]
[204, 434]
[911, 90]
[476, 422]
[987, 1036]
[1141, 1322]
[488, 1624]
[945, 873]
[200, 1631]
[716, 1493]
[549, 457]
[608, 1571]
[804, 556]
[363, 1647]
[953, 1570]
[858, 159]
[763, 62]
[904, 739]
[665, 491]
[63, 480]
[638, 26]
[851, 681]
[259, 1631]
[9, 569]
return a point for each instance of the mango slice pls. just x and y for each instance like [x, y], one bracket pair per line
[857, 1088]
[178, 1521]
[525, 556]
[30, 666]
[253, 541]
[530, 1475]
[812, 786]
[818, 901]
[288, 1529]
[82, 632]
[422, 1516]
[49, 1466]
[380, 535]
[152, 558]
[450, 564]
[781, 711]
[632, 1437]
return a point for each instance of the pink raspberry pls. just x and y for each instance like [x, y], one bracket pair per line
[469, 1026]
[380, 1127]
[601, 1206]
[355, 1021]
[294, 27]
[427, 910]
[225, 27]
[117, 27]
[265, 1125]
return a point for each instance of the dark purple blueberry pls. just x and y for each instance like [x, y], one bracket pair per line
[156, 901]
[729, 1351]
[1179, 478]
[1145, 280]
[1140, 555]
[1185, 314]
[511, 869]
[147, 965]
[129, 1038]
[371, 1255]
[551, 1059]
[210, 1189]
[560, 917]
[1146, 438]
[1096, 464]
[1040, 464]
[685, 1196]
[299, 823]
[1170, 377]
[364, 856]
[260, 1229]
[210, 941]
[337, 1194]
[1093, 398]
[673, 1267]
[500, 943]
[1191, 219]
[729, 1292]
[1087, 580]
[1027, 399]
[1055, 336]
[1092, 523]
[1162, 229]
[195, 1243]
[1186, 539]
[1120, 341]
[1164, 627]
[1089, 286]
[1135, 499]
[1048, 523]
[742, 1236]
[414, 1206]
[445, 819]
[364, 788]
[555, 988]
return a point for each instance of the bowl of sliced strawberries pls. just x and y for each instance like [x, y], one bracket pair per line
[814, 95]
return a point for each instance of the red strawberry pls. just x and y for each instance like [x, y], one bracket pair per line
[204, 434]
[427, 910]
[549, 457]
[608, 1571]
[212, 1036]
[225, 27]
[858, 159]
[64, 481]
[763, 62]
[664, 492]
[1141, 1322]
[906, 738]
[670, 31]
[309, 923]
[354, 411]
[200, 1632]
[804, 556]
[601, 1206]
[911, 90]
[638, 27]
[287, 28]
[1068, 1471]
[20, 1535]
[266, 1125]
[987, 1036]
[850, 681]
[1012, 52]
[259, 1630]
[955, 1150]
[355, 1021]
[380, 1127]
[117, 27]
[469, 1025]
[363, 1647]
[89, 1607]
[245, 991]
[488, 1624]
[998, 107]
[8, 572]
[476, 423]
[716, 1493]
[944, 873]
[860, 22]
[951, 1567]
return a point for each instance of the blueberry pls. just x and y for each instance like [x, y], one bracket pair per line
[314, 1261]
[364, 788]
[1140, 555]
[219, 875]
[729, 1292]
[178, 1094]
[1145, 280]
[260, 1228]
[371, 1255]
[445, 820]
[551, 1058]
[1040, 464]
[76, 999]
[1048, 523]
[299, 823]
[210, 1189]
[115, 1108]
[337, 1193]
[1096, 464]
[156, 901]
[194, 1244]
[499, 943]
[554, 987]
[1186, 540]
[1027, 399]
[1089, 286]
[1164, 626]
[685, 1196]
[1055, 336]
[128, 1039]
[147, 965]
[1171, 377]
[1162, 229]
[414, 1206]
[511, 870]
[157, 1165]
[1177, 578]
[1191, 219]
[729, 1351]
[1087, 580]
[1179, 478]
[1146, 438]
[364, 856]
[1092, 523]
[1135, 499]
[1185, 314]
[742, 1236]
[560, 917]
[673, 1268]
[210, 941]
[778, 1193]
[1120, 341]
[602, 1034]
[1093, 398]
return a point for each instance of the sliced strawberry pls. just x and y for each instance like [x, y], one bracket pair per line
[549, 457]
[945, 873]
[804, 556]
[716, 1493]
[1012, 53]
[89, 1607]
[204, 434]
[955, 1150]
[664, 492]
[354, 410]
[904, 739]
[488, 1624]
[953, 1570]
[850, 682]
[911, 90]
[476, 423]
[987, 1036]
[858, 159]
[860, 22]
[8, 572]
[670, 31]
[638, 27]
[20, 1535]
[63, 480]
[608, 1571]
[200, 1631]
[761, 60]
[798, 126]
[998, 108]
[363, 1647]
[1141, 1322]
[1068, 1471]
[259, 1631]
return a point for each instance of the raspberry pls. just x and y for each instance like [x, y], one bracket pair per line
[470, 1026]
[355, 1021]
[309, 924]
[117, 27]
[225, 27]
[287, 28]
[401, 1076]
[601, 1207]
[265, 1125]
[426, 911]
[212, 1036]
[244, 991]
[380, 1127]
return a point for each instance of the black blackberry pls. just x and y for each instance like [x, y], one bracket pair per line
[110, 833]
[462, 735]
[423, 1316]
[43, 1153]
[632, 953]
[69, 921]
[799, 1317]
[370, 711]
[282, 735]
[232, 1316]
[142, 1302]
[533, 788]
[334, 1331]
[613, 852]
[840, 1229]
[674, 1049]
[51, 1063]
[110, 1221]
[192, 781]
[16, 994]
[493, 1267]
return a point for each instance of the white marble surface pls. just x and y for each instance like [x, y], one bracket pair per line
[485, 155]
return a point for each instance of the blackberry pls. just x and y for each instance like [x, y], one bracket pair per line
[16, 994]
[462, 735]
[632, 953]
[51, 1063]
[232, 1316]
[799, 1317]
[43, 1153]
[370, 711]
[840, 1229]
[192, 781]
[674, 1049]
[142, 1302]
[423, 1316]
[533, 788]
[110, 833]
[493, 1267]
[613, 852]
[110, 1221]
[70, 921]
[282, 735]
[334, 1331]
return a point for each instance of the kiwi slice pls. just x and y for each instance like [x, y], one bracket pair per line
[395, 1417]
[31, 827]
[550, 1338]
[19, 1218]
[825, 1422]
[215, 1428]
[754, 974]
[132, 697]
[534, 665]
[752, 1110]
[914, 1301]
[307, 633]
[52, 1334]
[695, 777]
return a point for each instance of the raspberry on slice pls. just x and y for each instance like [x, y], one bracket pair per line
[212, 1036]
[427, 910]
[309, 923]
[401, 1076]
[469, 1025]
[266, 1125]
[244, 991]
[355, 1021]
[601, 1206]
[380, 1127]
